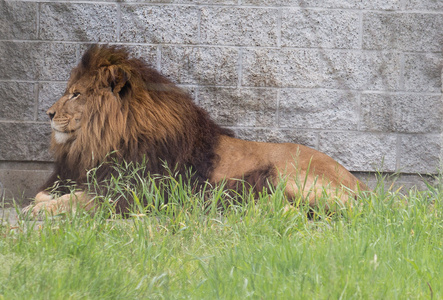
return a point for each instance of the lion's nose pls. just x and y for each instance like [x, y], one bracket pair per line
[51, 114]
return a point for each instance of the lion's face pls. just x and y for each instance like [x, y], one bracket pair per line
[66, 114]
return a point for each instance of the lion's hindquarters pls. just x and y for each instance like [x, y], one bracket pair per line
[314, 190]
[312, 175]
[307, 172]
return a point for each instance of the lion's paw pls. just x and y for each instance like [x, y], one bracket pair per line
[46, 204]
[41, 197]
[51, 207]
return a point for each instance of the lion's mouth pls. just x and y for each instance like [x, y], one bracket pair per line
[60, 128]
[61, 136]
[57, 130]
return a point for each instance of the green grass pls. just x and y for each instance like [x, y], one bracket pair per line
[388, 247]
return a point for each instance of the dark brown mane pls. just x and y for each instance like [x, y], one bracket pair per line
[135, 113]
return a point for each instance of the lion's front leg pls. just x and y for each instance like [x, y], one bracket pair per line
[46, 203]
[43, 197]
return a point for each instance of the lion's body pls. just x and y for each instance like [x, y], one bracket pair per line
[114, 104]
[306, 171]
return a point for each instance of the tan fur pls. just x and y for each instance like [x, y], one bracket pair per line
[306, 170]
[114, 104]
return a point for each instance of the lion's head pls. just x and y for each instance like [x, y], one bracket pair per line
[116, 104]
[66, 114]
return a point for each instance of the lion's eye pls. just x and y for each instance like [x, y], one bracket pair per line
[75, 95]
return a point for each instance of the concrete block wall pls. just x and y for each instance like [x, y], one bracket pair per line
[359, 80]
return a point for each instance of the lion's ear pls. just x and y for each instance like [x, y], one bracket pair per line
[114, 77]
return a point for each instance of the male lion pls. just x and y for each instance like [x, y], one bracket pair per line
[116, 104]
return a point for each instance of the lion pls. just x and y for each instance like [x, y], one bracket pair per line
[117, 104]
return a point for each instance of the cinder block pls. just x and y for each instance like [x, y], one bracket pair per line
[57, 60]
[147, 53]
[208, 1]
[420, 153]
[397, 182]
[159, 24]
[320, 28]
[406, 113]
[240, 107]
[24, 142]
[22, 185]
[403, 31]
[318, 109]
[281, 68]
[184, 1]
[191, 90]
[78, 22]
[18, 20]
[17, 101]
[359, 151]
[431, 5]
[202, 65]
[278, 135]
[352, 4]
[144, 52]
[19, 60]
[36, 60]
[422, 72]
[361, 70]
[239, 26]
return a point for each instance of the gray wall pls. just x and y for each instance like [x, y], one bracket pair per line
[359, 80]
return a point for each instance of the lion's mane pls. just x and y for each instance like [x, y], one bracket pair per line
[137, 114]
